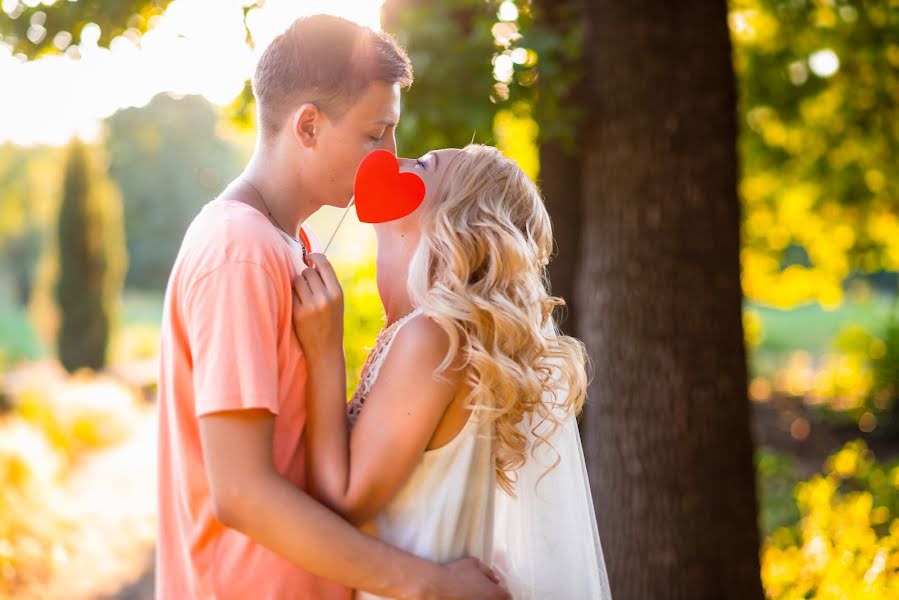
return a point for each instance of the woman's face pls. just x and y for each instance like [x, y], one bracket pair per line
[397, 240]
[432, 167]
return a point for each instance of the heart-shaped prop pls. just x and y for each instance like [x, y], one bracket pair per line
[384, 194]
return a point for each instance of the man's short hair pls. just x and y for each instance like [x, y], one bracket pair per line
[325, 60]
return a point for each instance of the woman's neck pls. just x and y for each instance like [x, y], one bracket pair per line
[392, 275]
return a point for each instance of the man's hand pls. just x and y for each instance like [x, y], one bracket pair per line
[466, 579]
[318, 309]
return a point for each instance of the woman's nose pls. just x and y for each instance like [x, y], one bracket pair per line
[406, 164]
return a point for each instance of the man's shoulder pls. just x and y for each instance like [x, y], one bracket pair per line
[233, 221]
[229, 232]
[233, 230]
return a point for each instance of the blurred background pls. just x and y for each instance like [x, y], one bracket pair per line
[120, 119]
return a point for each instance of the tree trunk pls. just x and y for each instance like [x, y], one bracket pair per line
[560, 182]
[560, 166]
[668, 433]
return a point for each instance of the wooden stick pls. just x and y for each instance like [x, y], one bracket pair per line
[339, 223]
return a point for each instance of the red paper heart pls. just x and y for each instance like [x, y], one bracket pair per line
[382, 192]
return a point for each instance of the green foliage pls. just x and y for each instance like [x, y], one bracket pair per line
[363, 317]
[168, 160]
[35, 28]
[91, 261]
[52, 426]
[80, 414]
[546, 45]
[30, 180]
[456, 96]
[19, 340]
[450, 45]
[819, 91]
[516, 137]
[845, 543]
[29, 471]
[777, 475]
[868, 378]
[885, 367]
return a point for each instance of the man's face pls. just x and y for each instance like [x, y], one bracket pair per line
[368, 125]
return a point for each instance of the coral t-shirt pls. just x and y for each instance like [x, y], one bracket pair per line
[228, 344]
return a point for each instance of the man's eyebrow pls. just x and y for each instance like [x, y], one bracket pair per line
[386, 122]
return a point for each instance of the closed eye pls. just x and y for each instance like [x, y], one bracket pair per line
[378, 138]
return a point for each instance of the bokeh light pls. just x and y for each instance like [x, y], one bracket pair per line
[187, 51]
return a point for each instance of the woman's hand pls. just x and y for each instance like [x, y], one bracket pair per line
[318, 310]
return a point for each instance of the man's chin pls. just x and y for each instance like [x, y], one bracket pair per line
[342, 203]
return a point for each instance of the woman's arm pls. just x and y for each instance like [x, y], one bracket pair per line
[356, 475]
[401, 414]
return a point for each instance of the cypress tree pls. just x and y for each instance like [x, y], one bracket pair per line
[91, 262]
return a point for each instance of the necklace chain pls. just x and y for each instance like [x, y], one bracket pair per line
[272, 216]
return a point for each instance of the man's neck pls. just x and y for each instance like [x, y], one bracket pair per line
[279, 190]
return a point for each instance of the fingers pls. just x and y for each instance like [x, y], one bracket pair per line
[302, 289]
[315, 283]
[324, 268]
[468, 567]
[489, 573]
[495, 578]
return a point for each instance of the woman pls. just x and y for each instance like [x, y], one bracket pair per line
[461, 439]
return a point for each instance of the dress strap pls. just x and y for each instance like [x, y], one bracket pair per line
[379, 352]
[389, 334]
[396, 325]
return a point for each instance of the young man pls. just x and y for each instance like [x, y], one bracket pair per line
[234, 521]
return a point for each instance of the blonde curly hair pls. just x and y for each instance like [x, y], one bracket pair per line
[480, 273]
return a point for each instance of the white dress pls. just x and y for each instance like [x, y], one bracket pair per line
[543, 541]
[444, 511]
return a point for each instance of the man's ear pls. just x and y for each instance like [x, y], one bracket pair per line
[307, 122]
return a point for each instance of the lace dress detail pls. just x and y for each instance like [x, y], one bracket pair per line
[373, 363]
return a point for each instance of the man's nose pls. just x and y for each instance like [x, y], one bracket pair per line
[389, 144]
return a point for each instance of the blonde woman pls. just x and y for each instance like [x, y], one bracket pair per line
[461, 439]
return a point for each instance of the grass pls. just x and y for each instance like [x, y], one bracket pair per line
[136, 338]
[812, 328]
[141, 308]
[18, 340]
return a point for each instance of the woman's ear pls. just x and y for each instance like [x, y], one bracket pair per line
[307, 124]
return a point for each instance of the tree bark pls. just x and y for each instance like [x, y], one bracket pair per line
[560, 182]
[667, 432]
[561, 169]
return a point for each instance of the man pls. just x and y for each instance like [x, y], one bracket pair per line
[234, 521]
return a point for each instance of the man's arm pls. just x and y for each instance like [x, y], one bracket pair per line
[249, 495]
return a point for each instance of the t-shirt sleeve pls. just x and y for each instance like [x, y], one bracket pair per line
[232, 326]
